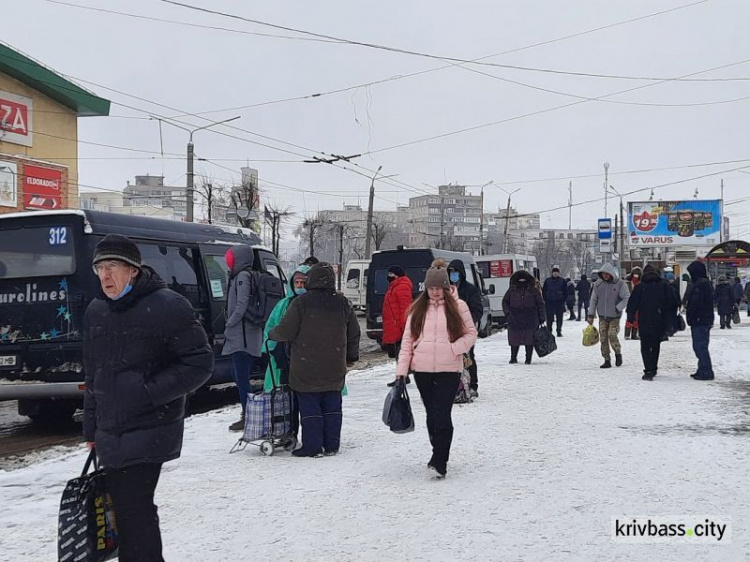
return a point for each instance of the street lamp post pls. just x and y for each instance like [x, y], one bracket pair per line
[621, 234]
[190, 158]
[507, 217]
[481, 217]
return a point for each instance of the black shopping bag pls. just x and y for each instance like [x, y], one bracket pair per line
[397, 409]
[544, 342]
[736, 316]
[86, 525]
[679, 323]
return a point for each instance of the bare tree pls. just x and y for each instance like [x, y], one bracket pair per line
[309, 232]
[215, 197]
[275, 217]
[380, 230]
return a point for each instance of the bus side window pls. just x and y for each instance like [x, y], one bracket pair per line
[352, 279]
[176, 266]
[218, 276]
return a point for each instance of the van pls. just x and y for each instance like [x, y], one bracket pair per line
[355, 286]
[497, 270]
[46, 283]
[415, 262]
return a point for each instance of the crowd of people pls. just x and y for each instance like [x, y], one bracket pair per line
[145, 351]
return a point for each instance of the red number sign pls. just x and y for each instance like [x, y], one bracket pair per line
[501, 268]
[645, 222]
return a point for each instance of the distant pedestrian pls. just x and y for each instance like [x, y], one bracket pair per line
[470, 294]
[144, 351]
[324, 333]
[396, 303]
[724, 302]
[438, 332]
[555, 293]
[570, 300]
[700, 318]
[631, 326]
[523, 306]
[672, 325]
[654, 301]
[584, 296]
[242, 338]
[609, 299]
[277, 371]
[747, 297]
[738, 294]
[688, 285]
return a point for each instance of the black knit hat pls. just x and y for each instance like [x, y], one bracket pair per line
[117, 247]
[397, 270]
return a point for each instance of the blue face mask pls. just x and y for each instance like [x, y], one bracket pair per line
[299, 290]
[455, 277]
[124, 292]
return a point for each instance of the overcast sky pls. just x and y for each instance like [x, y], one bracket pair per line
[194, 69]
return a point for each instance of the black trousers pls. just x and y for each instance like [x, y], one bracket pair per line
[725, 320]
[555, 311]
[438, 391]
[321, 416]
[585, 306]
[132, 489]
[650, 349]
[474, 384]
[514, 351]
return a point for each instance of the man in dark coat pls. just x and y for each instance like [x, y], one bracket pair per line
[747, 297]
[324, 333]
[555, 293]
[143, 353]
[673, 325]
[738, 293]
[468, 293]
[700, 318]
[724, 302]
[584, 296]
[654, 302]
[523, 306]
[570, 300]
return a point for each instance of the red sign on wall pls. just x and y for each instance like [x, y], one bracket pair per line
[41, 188]
[15, 119]
[501, 268]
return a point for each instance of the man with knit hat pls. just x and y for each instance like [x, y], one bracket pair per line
[143, 352]
[555, 293]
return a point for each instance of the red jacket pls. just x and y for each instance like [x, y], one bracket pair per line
[398, 299]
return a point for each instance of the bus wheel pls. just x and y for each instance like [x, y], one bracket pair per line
[48, 411]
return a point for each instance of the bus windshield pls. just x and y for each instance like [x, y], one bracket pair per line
[37, 252]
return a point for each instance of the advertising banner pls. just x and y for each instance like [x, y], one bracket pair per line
[8, 184]
[41, 187]
[501, 268]
[15, 119]
[691, 222]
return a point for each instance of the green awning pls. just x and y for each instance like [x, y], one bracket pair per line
[39, 77]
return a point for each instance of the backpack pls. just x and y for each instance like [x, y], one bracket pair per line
[265, 292]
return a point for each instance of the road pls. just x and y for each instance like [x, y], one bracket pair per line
[23, 442]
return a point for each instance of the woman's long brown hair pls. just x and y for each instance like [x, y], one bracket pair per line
[418, 311]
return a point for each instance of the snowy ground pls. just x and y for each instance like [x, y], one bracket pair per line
[541, 463]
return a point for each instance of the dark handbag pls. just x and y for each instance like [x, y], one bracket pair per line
[679, 323]
[736, 315]
[544, 342]
[86, 525]
[397, 413]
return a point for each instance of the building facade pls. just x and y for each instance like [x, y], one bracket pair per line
[150, 191]
[39, 111]
[450, 220]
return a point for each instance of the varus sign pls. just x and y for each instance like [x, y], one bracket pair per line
[15, 119]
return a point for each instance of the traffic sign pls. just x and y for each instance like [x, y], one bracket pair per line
[605, 229]
[605, 246]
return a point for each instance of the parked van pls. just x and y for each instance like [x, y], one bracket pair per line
[496, 270]
[355, 286]
[415, 262]
[46, 283]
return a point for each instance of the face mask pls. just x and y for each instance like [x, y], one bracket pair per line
[522, 280]
[124, 292]
[391, 279]
[455, 276]
[299, 290]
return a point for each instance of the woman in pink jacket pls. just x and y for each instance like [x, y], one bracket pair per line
[439, 330]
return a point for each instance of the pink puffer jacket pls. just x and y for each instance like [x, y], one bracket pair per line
[433, 352]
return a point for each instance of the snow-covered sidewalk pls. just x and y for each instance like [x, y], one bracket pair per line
[540, 465]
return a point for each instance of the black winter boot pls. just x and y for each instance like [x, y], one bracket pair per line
[606, 365]
[513, 354]
[239, 425]
[634, 334]
[627, 332]
[529, 353]
[618, 359]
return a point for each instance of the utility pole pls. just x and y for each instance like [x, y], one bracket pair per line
[721, 210]
[606, 188]
[622, 238]
[481, 222]
[442, 219]
[570, 206]
[505, 230]
[341, 252]
[368, 233]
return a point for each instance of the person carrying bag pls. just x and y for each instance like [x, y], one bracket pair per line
[397, 413]
[439, 330]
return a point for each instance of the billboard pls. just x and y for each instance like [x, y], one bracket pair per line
[8, 184]
[15, 119]
[674, 223]
[41, 187]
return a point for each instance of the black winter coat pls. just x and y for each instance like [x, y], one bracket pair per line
[524, 308]
[142, 354]
[724, 298]
[324, 333]
[738, 292]
[699, 299]
[584, 290]
[654, 302]
[555, 291]
[468, 293]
